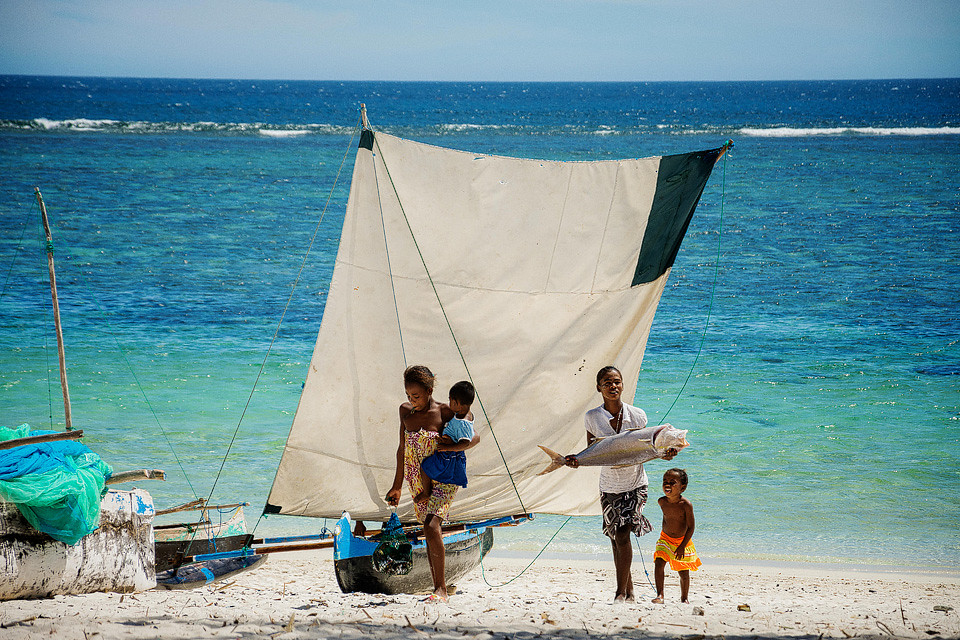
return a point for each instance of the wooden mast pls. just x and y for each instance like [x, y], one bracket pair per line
[56, 313]
[363, 116]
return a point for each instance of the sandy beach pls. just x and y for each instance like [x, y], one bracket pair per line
[296, 596]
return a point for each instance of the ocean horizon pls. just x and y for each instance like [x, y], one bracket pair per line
[807, 338]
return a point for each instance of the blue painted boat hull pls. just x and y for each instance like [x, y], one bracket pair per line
[200, 574]
[353, 561]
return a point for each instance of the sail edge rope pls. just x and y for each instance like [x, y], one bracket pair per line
[293, 289]
[713, 289]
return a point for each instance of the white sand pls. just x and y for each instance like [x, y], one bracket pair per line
[296, 596]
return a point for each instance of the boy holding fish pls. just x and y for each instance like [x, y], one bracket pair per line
[623, 487]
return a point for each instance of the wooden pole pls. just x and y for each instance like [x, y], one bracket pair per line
[46, 437]
[137, 474]
[67, 414]
[363, 116]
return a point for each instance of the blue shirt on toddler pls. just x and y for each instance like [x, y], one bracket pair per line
[450, 467]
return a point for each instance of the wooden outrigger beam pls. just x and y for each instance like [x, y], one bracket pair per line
[138, 474]
[67, 413]
[200, 505]
[326, 542]
[196, 504]
[412, 530]
[259, 551]
[46, 437]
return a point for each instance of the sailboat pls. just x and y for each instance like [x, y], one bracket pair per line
[524, 276]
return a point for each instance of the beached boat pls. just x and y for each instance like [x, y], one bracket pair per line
[524, 276]
[117, 556]
[174, 542]
[88, 543]
[103, 544]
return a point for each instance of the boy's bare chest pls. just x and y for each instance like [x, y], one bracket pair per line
[673, 512]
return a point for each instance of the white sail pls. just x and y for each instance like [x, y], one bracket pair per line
[525, 276]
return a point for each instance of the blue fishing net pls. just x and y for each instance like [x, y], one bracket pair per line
[394, 554]
[57, 486]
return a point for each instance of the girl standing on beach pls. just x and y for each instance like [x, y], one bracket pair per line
[421, 424]
[623, 489]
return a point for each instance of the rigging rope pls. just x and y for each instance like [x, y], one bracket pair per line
[449, 326]
[713, 288]
[90, 296]
[16, 252]
[497, 586]
[293, 289]
[42, 241]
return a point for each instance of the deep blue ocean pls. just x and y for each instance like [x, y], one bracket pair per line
[823, 406]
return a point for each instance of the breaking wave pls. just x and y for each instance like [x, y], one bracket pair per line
[793, 132]
[86, 125]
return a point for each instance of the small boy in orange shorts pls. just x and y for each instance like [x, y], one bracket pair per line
[674, 545]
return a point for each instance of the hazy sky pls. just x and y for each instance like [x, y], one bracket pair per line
[478, 40]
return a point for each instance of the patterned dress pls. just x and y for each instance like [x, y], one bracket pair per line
[417, 446]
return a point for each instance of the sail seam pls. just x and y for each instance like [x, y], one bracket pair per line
[455, 285]
[556, 238]
[613, 195]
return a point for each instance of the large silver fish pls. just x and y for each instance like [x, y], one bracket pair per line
[633, 446]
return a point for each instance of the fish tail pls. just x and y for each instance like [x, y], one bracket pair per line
[556, 461]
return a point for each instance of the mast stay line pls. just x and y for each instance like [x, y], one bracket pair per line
[446, 319]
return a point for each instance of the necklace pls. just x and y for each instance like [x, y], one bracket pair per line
[617, 421]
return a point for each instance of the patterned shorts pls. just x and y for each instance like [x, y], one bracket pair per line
[625, 510]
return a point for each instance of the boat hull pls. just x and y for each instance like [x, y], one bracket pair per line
[174, 542]
[353, 562]
[118, 556]
[201, 574]
[170, 554]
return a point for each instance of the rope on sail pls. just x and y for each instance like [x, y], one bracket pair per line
[293, 289]
[723, 190]
[713, 289]
[449, 326]
[386, 247]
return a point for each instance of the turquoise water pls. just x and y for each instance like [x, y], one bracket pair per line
[823, 406]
